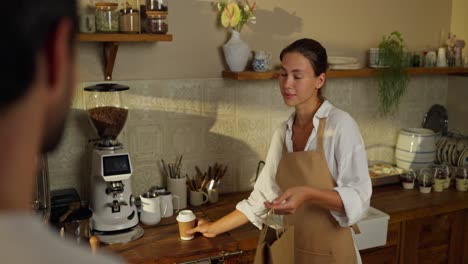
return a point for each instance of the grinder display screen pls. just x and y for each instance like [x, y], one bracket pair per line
[115, 165]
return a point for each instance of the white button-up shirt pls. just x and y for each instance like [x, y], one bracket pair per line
[346, 158]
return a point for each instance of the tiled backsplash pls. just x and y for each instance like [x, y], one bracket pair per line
[229, 122]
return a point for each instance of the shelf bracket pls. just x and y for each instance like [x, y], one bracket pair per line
[110, 53]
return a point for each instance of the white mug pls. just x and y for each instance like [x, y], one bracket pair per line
[198, 198]
[87, 23]
[150, 209]
[167, 206]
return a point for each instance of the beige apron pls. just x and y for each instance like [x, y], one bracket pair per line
[318, 238]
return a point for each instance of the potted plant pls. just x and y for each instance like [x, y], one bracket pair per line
[392, 77]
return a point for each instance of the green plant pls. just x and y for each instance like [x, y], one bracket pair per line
[392, 78]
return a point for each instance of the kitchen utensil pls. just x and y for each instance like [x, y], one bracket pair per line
[121, 238]
[436, 119]
[178, 187]
[94, 243]
[78, 224]
[71, 208]
[213, 195]
[41, 199]
[151, 209]
[111, 168]
[167, 203]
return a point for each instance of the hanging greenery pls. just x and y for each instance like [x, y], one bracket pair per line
[392, 78]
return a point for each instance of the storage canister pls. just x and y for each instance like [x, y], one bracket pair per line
[129, 20]
[156, 22]
[107, 17]
[156, 5]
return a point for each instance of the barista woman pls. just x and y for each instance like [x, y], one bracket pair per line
[316, 167]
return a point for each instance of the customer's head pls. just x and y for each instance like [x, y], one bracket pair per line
[306, 62]
[38, 52]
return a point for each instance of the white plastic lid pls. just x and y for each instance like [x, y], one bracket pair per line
[185, 216]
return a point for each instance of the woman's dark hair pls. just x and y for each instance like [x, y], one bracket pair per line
[29, 24]
[313, 51]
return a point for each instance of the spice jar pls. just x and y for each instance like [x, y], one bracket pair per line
[156, 22]
[156, 5]
[129, 20]
[107, 17]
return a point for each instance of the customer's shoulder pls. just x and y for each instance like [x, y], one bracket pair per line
[35, 242]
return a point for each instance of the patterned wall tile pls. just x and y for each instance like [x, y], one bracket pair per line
[145, 175]
[146, 141]
[220, 138]
[251, 98]
[219, 97]
[232, 122]
[338, 91]
[247, 172]
[253, 131]
[185, 96]
[185, 136]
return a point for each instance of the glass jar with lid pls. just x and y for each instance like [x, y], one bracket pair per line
[107, 17]
[129, 20]
[156, 5]
[156, 22]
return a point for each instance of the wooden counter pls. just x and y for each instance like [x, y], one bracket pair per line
[410, 212]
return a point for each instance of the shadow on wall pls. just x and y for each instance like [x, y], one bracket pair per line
[276, 23]
[273, 31]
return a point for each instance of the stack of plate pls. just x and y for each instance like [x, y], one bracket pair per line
[463, 159]
[452, 150]
[415, 148]
[343, 63]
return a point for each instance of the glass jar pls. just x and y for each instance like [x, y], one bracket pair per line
[156, 22]
[129, 20]
[156, 5]
[107, 17]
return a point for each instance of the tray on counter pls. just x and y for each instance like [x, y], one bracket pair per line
[383, 173]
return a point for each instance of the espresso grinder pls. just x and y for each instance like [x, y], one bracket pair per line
[112, 201]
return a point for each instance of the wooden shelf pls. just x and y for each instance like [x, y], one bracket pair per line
[117, 37]
[111, 45]
[366, 72]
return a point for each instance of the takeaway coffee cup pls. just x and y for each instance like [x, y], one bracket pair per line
[186, 220]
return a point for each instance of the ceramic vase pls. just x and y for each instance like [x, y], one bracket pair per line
[236, 52]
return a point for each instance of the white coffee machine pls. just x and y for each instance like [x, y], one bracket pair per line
[112, 201]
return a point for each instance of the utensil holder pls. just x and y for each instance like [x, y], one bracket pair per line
[178, 188]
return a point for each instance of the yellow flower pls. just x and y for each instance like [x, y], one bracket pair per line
[231, 15]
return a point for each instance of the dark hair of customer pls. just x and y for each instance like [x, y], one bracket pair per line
[28, 25]
[313, 51]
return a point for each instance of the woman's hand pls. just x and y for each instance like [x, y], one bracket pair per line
[203, 227]
[290, 200]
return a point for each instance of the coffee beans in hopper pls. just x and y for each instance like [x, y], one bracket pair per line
[108, 120]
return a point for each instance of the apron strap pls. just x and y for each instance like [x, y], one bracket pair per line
[320, 132]
[356, 229]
